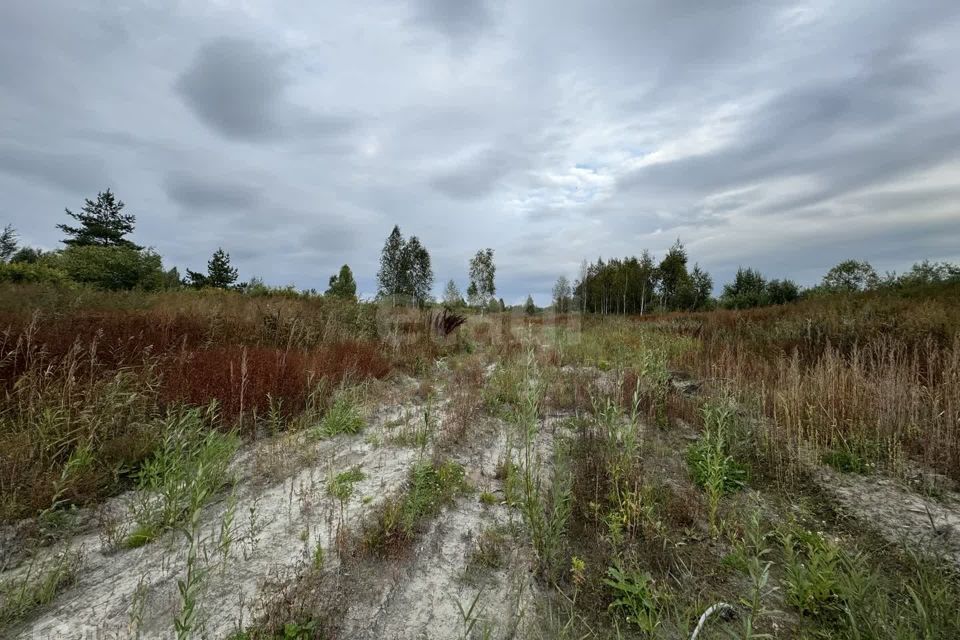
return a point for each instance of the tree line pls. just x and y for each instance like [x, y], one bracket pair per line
[98, 252]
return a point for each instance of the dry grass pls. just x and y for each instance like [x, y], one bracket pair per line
[85, 376]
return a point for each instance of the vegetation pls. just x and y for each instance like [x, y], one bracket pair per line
[782, 466]
[405, 271]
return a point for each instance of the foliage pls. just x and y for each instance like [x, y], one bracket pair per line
[113, 267]
[25, 272]
[529, 307]
[430, 487]
[341, 485]
[482, 275]
[188, 467]
[637, 285]
[102, 224]
[220, 274]
[343, 285]
[341, 417]
[636, 597]
[405, 270]
[562, 295]
[8, 243]
[27, 255]
[711, 465]
[851, 276]
[750, 289]
[452, 296]
[38, 585]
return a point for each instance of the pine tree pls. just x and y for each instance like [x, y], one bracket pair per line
[219, 272]
[343, 285]
[8, 243]
[529, 307]
[102, 223]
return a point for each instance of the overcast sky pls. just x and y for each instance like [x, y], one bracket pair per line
[782, 136]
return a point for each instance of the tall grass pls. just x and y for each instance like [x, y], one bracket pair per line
[875, 376]
[87, 377]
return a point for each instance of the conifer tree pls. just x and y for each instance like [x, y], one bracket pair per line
[102, 224]
[343, 285]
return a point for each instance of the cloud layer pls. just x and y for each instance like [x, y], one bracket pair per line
[780, 135]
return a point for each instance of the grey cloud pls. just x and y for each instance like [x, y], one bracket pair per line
[197, 193]
[77, 173]
[478, 175]
[459, 20]
[235, 86]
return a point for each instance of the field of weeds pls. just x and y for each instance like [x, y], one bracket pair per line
[208, 465]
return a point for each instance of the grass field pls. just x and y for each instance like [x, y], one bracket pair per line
[199, 464]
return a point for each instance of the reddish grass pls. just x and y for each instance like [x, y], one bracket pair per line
[245, 379]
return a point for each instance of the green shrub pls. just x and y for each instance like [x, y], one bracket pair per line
[183, 474]
[112, 268]
[636, 597]
[32, 273]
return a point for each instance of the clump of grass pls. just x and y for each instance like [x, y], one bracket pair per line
[430, 487]
[341, 485]
[190, 466]
[342, 417]
[488, 499]
[488, 554]
[845, 461]
[38, 585]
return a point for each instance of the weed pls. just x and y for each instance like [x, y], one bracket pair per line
[190, 464]
[429, 488]
[845, 461]
[341, 418]
[813, 566]
[635, 595]
[38, 584]
[711, 465]
[341, 486]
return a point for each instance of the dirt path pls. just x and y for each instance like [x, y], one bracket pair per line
[275, 526]
[898, 513]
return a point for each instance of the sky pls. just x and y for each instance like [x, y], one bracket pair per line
[781, 136]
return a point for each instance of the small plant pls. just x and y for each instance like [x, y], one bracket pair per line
[38, 585]
[430, 487]
[711, 465]
[845, 461]
[319, 556]
[341, 418]
[488, 499]
[754, 552]
[192, 461]
[813, 567]
[636, 597]
[488, 554]
[341, 486]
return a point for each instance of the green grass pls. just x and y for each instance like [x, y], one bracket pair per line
[189, 467]
[430, 487]
[342, 417]
[38, 585]
[341, 485]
